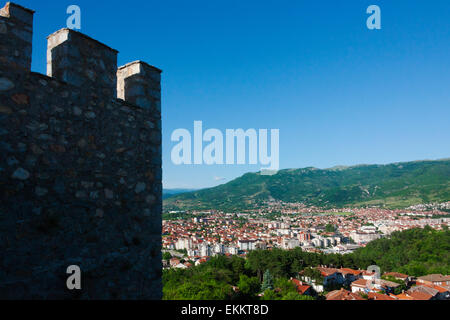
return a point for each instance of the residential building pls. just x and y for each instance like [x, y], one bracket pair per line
[434, 279]
[343, 294]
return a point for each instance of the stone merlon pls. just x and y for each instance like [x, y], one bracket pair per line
[82, 61]
[16, 35]
[139, 83]
[17, 12]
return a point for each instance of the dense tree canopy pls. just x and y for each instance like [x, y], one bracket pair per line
[415, 252]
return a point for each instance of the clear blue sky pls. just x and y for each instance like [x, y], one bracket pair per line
[339, 93]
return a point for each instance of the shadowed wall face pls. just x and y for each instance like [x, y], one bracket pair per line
[80, 175]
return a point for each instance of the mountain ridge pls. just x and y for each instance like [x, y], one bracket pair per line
[395, 185]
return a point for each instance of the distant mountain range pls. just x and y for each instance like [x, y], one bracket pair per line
[167, 193]
[396, 185]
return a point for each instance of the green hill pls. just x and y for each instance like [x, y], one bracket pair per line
[396, 185]
[415, 252]
[167, 193]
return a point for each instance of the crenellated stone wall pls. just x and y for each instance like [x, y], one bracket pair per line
[80, 170]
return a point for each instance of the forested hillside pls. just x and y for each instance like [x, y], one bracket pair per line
[396, 185]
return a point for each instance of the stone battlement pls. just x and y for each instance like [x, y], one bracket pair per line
[80, 168]
[77, 59]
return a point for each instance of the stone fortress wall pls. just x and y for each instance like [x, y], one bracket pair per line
[80, 168]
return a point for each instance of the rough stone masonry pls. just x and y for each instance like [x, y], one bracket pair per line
[80, 168]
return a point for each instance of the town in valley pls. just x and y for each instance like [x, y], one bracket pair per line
[191, 238]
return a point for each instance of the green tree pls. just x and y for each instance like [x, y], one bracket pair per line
[416, 252]
[248, 286]
[296, 296]
[270, 295]
[285, 286]
[267, 281]
[208, 290]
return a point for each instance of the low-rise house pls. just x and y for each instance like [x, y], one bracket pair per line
[416, 295]
[398, 276]
[331, 276]
[350, 275]
[200, 261]
[316, 285]
[434, 279]
[428, 290]
[363, 285]
[343, 294]
[369, 275]
[403, 296]
[303, 288]
[388, 286]
[413, 296]
[420, 295]
[379, 296]
[444, 292]
[174, 262]
[360, 285]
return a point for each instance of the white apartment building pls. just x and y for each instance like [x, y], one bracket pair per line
[183, 243]
[360, 237]
[232, 250]
[246, 245]
[204, 250]
[290, 243]
[219, 248]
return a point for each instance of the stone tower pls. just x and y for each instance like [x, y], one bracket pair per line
[80, 168]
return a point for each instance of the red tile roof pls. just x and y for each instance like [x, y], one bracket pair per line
[404, 296]
[396, 275]
[360, 283]
[434, 278]
[301, 288]
[343, 295]
[327, 271]
[348, 270]
[379, 296]
[417, 295]
[438, 288]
